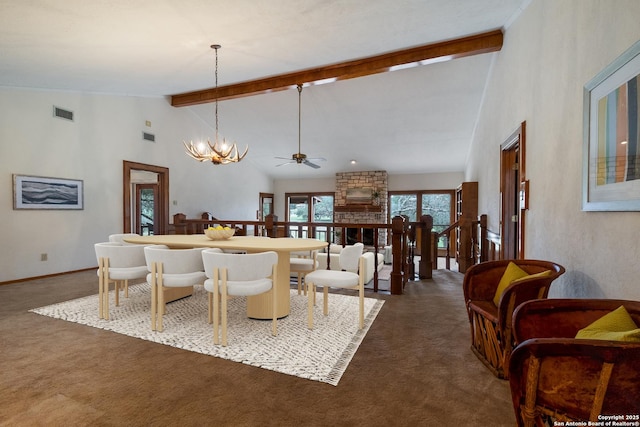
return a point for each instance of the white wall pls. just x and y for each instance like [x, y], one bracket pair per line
[106, 131]
[549, 53]
[425, 181]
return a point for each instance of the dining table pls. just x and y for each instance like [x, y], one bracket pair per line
[258, 306]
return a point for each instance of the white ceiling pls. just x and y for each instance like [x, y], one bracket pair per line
[416, 120]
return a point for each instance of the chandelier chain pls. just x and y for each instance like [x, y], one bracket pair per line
[218, 153]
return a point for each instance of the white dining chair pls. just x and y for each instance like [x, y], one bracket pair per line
[302, 263]
[351, 276]
[238, 275]
[117, 264]
[119, 238]
[168, 269]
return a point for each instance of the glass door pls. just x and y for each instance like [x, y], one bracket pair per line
[146, 208]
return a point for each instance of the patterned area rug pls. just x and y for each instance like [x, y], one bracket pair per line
[321, 354]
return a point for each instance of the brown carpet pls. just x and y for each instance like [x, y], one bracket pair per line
[414, 367]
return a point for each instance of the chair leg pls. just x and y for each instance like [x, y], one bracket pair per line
[216, 307]
[299, 283]
[210, 307]
[311, 289]
[274, 326]
[361, 304]
[154, 297]
[117, 288]
[126, 288]
[325, 293]
[101, 287]
[160, 293]
[224, 298]
[105, 290]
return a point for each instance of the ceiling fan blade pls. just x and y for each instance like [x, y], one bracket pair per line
[317, 159]
[313, 165]
[285, 163]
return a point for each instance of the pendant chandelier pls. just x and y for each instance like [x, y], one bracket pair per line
[220, 152]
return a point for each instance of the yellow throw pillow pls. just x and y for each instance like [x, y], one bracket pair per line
[512, 272]
[615, 326]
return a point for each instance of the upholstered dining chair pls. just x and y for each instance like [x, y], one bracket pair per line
[238, 275]
[302, 263]
[117, 264]
[119, 238]
[491, 296]
[351, 276]
[169, 269]
[555, 375]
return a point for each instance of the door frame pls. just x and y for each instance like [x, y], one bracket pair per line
[162, 217]
[513, 193]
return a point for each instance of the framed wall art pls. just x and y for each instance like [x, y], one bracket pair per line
[611, 155]
[37, 192]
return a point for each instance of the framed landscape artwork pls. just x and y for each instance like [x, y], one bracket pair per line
[36, 192]
[359, 196]
[611, 156]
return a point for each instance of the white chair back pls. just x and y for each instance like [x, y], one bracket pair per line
[350, 256]
[119, 238]
[240, 267]
[174, 261]
[121, 256]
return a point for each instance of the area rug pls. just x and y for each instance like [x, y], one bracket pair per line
[321, 354]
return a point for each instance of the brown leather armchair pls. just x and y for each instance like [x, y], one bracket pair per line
[555, 377]
[491, 338]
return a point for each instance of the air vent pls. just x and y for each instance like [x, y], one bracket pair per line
[148, 137]
[62, 113]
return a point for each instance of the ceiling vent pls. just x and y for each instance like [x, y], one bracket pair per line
[148, 137]
[62, 113]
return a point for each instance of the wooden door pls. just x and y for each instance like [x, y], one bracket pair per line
[512, 183]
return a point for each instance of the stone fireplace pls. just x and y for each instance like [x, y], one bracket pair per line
[373, 211]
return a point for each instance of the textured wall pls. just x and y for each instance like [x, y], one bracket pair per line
[550, 52]
[106, 131]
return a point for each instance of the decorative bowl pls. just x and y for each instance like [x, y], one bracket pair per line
[219, 234]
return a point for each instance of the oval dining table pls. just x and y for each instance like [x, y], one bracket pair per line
[258, 306]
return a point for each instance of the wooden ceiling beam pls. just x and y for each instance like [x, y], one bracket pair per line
[441, 51]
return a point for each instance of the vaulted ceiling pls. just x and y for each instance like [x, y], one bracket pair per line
[417, 119]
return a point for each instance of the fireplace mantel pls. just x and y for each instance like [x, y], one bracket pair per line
[358, 208]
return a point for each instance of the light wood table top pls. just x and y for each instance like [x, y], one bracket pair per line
[259, 306]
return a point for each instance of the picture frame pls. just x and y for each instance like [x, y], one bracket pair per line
[611, 146]
[359, 196]
[38, 192]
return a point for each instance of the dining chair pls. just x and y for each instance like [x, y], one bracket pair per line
[302, 263]
[117, 263]
[238, 275]
[119, 238]
[351, 276]
[169, 269]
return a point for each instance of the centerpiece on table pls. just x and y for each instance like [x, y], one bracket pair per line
[219, 232]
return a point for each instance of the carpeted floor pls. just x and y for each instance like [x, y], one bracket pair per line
[321, 354]
[413, 368]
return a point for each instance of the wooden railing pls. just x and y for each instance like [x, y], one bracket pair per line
[400, 234]
[474, 242]
[487, 243]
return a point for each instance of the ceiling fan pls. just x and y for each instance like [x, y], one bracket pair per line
[299, 157]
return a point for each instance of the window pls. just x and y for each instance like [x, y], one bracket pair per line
[309, 208]
[414, 204]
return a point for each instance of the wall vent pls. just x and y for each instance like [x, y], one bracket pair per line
[62, 113]
[148, 137]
